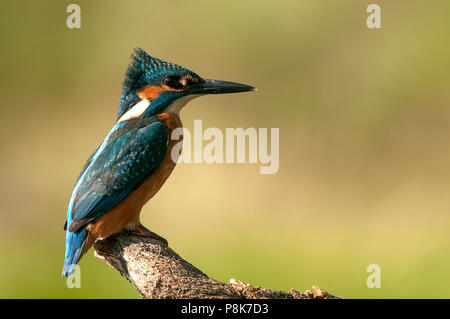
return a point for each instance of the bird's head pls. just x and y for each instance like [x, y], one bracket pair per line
[152, 86]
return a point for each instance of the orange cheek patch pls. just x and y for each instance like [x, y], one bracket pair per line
[168, 121]
[152, 92]
[188, 79]
[163, 117]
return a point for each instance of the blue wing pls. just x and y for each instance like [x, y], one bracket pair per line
[120, 164]
[86, 165]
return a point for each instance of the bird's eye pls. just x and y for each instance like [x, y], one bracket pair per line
[173, 81]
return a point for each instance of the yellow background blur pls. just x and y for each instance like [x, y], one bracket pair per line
[364, 124]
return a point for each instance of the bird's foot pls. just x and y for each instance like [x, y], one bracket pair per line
[140, 230]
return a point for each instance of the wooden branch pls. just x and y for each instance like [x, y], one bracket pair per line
[158, 272]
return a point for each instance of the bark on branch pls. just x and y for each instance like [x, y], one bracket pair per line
[158, 272]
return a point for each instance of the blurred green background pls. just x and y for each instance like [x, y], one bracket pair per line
[364, 124]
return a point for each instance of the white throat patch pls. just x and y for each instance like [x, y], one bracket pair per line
[176, 106]
[137, 110]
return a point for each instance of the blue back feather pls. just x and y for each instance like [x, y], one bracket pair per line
[120, 167]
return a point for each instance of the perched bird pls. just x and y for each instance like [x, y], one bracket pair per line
[134, 160]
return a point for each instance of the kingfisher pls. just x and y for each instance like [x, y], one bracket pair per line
[134, 160]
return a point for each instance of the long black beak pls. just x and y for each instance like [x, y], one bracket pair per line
[219, 87]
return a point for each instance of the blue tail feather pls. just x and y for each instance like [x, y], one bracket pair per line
[74, 246]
